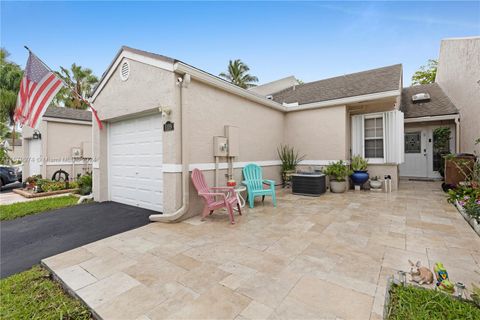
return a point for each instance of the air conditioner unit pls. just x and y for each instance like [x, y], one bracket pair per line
[76, 152]
[419, 97]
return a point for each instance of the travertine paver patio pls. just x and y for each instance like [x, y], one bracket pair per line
[310, 258]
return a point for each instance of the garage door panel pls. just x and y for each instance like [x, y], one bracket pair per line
[135, 156]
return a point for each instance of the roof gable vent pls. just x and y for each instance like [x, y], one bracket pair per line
[125, 71]
[420, 97]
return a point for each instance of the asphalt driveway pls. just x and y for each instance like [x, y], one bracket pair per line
[25, 241]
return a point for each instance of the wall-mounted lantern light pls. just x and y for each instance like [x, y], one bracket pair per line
[37, 135]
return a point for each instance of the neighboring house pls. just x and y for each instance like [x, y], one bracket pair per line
[161, 116]
[63, 141]
[426, 108]
[459, 76]
[15, 150]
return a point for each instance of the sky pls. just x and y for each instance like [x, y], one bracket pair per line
[310, 40]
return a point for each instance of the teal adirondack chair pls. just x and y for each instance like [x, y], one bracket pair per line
[254, 182]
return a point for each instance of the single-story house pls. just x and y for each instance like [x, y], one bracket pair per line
[161, 116]
[458, 74]
[15, 149]
[63, 140]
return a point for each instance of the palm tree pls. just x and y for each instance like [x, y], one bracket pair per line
[10, 77]
[238, 74]
[79, 79]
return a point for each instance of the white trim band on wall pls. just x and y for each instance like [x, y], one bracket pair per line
[174, 168]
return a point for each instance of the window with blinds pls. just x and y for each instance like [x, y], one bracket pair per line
[373, 136]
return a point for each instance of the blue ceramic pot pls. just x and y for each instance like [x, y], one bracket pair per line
[359, 177]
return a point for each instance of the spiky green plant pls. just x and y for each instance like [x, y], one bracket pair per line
[289, 157]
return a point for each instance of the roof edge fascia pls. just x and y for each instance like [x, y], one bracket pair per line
[454, 116]
[66, 120]
[344, 101]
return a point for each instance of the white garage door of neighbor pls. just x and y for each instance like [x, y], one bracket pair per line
[135, 162]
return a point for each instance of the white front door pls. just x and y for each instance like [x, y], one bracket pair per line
[135, 162]
[415, 164]
[422, 160]
[34, 157]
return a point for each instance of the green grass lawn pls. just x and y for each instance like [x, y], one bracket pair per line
[408, 303]
[20, 209]
[32, 294]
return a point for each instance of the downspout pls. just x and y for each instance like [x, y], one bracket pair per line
[175, 216]
[457, 134]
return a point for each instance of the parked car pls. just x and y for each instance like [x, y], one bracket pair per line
[19, 169]
[7, 175]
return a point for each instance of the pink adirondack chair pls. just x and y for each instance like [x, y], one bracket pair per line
[227, 197]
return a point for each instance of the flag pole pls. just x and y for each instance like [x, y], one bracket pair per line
[94, 111]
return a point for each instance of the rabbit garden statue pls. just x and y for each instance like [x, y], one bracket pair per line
[419, 274]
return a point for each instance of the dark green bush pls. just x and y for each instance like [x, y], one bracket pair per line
[85, 184]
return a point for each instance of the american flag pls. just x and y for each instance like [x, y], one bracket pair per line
[37, 89]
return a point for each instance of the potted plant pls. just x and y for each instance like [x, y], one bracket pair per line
[359, 167]
[338, 172]
[375, 183]
[290, 160]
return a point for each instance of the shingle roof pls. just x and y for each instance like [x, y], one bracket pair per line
[439, 103]
[349, 85]
[68, 113]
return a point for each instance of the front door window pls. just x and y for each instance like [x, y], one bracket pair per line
[413, 143]
[441, 147]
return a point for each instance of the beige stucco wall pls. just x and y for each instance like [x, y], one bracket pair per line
[319, 134]
[58, 139]
[380, 170]
[459, 74]
[210, 109]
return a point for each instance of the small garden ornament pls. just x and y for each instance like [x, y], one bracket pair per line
[443, 283]
[419, 274]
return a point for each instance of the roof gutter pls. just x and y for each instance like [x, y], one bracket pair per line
[209, 79]
[343, 101]
[433, 118]
[177, 215]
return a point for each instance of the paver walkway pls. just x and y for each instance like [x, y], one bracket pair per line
[310, 258]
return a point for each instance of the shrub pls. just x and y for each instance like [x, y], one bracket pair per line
[54, 186]
[460, 192]
[73, 185]
[85, 184]
[468, 198]
[338, 170]
[47, 185]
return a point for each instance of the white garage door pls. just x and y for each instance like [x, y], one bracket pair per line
[135, 162]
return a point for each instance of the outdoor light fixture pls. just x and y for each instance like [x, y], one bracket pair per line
[37, 135]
